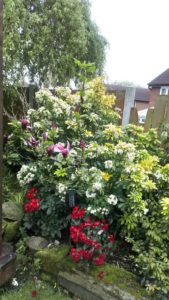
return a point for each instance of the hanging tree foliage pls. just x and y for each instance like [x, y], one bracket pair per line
[43, 37]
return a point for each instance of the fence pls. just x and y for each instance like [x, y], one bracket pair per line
[157, 116]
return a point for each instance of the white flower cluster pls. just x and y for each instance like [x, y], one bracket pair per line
[44, 97]
[112, 199]
[37, 124]
[61, 189]
[127, 148]
[108, 164]
[113, 130]
[90, 194]
[99, 210]
[26, 174]
[63, 92]
[31, 112]
[43, 112]
[93, 169]
[61, 107]
[97, 186]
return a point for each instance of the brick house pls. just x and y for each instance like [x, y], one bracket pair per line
[158, 86]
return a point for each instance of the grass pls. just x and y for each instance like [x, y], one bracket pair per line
[24, 292]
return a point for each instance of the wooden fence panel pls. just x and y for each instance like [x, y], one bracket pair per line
[159, 111]
[149, 117]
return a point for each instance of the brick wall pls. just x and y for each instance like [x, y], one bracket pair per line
[154, 93]
[140, 105]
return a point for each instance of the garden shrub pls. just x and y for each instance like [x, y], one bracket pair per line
[72, 142]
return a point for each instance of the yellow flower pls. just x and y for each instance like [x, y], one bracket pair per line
[106, 176]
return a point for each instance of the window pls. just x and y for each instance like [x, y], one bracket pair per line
[164, 90]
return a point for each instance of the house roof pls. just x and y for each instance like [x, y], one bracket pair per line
[160, 80]
[142, 94]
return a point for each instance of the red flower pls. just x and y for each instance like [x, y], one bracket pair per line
[78, 213]
[99, 260]
[74, 233]
[31, 193]
[82, 237]
[76, 254]
[111, 238]
[87, 254]
[32, 206]
[96, 245]
[96, 224]
[34, 294]
[105, 226]
[101, 275]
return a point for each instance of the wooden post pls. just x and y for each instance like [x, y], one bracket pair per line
[133, 116]
[1, 119]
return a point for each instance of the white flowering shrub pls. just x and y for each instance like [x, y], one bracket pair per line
[73, 142]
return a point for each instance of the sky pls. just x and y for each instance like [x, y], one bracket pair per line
[138, 36]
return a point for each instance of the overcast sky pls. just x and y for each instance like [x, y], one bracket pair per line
[138, 36]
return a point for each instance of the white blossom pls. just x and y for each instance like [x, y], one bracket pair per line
[90, 195]
[62, 188]
[108, 164]
[26, 174]
[112, 199]
[14, 282]
[146, 210]
[97, 186]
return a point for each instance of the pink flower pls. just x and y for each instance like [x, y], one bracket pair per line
[44, 135]
[62, 149]
[24, 123]
[32, 142]
[59, 148]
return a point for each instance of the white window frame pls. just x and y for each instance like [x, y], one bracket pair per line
[164, 90]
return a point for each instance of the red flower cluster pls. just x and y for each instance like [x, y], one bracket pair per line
[77, 254]
[93, 242]
[33, 204]
[78, 213]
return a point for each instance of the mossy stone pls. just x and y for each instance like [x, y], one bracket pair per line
[10, 230]
[12, 211]
[121, 278]
[55, 259]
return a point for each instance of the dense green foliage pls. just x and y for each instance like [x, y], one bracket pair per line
[42, 39]
[72, 141]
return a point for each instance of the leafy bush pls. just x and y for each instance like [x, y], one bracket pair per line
[72, 141]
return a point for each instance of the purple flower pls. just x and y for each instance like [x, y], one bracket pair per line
[64, 150]
[44, 135]
[82, 144]
[51, 149]
[32, 142]
[24, 123]
[59, 148]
